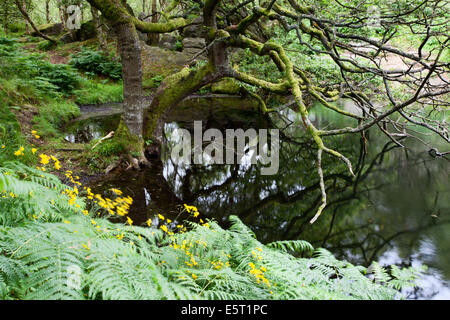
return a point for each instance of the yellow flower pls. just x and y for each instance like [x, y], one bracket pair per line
[3, 146]
[169, 221]
[160, 216]
[19, 152]
[45, 159]
[33, 150]
[163, 228]
[85, 212]
[129, 221]
[194, 276]
[66, 221]
[33, 132]
[149, 222]
[116, 191]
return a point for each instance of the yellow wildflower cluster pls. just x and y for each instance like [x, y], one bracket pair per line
[34, 133]
[74, 180]
[45, 159]
[259, 274]
[219, 264]
[8, 195]
[19, 152]
[192, 209]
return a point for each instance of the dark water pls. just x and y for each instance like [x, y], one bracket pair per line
[396, 210]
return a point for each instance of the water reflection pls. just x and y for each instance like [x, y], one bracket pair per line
[395, 211]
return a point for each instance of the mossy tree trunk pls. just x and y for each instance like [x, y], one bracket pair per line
[47, 10]
[99, 29]
[130, 53]
[153, 38]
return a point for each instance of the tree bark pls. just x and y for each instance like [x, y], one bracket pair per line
[98, 24]
[5, 16]
[130, 52]
[153, 38]
[47, 11]
[28, 19]
[24, 7]
[61, 14]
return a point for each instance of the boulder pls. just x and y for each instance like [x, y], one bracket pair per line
[87, 31]
[192, 46]
[50, 29]
[194, 30]
[194, 43]
[168, 42]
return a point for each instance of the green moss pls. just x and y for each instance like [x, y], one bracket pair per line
[131, 143]
[227, 85]
[110, 148]
[53, 115]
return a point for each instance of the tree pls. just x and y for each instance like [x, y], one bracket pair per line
[99, 29]
[345, 38]
[27, 18]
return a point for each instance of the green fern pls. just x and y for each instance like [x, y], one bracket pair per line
[39, 257]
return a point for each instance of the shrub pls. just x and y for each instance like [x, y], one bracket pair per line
[95, 62]
[33, 69]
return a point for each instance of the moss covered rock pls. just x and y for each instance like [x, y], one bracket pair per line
[49, 29]
[226, 85]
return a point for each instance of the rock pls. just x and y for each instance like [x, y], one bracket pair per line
[192, 46]
[50, 29]
[226, 85]
[67, 38]
[197, 43]
[194, 30]
[86, 32]
[157, 61]
[142, 36]
[168, 42]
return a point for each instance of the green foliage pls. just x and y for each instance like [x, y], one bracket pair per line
[93, 92]
[26, 191]
[97, 63]
[153, 82]
[46, 45]
[48, 79]
[178, 45]
[110, 147]
[115, 261]
[53, 115]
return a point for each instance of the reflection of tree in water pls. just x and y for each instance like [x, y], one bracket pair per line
[396, 197]
[281, 206]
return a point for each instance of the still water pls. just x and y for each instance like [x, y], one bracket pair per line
[396, 210]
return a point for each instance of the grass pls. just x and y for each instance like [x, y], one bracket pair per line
[53, 115]
[95, 92]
